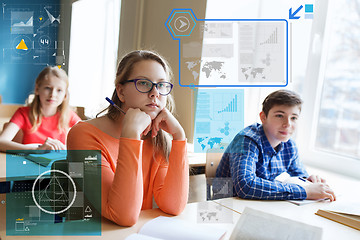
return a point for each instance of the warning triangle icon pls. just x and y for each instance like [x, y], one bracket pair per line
[22, 45]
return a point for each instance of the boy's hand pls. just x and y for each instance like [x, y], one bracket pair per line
[316, 179]
[319, 191]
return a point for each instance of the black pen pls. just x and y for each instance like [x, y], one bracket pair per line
[304, 180]
[116, 106]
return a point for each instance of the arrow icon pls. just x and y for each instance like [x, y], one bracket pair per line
[183, 24]
[292, 15]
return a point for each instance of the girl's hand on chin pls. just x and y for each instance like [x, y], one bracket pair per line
[167, 122]
[136, 123]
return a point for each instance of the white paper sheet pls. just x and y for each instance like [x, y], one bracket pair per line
[175, 229]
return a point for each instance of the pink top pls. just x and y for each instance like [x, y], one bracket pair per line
[131, 179]
[47, 128]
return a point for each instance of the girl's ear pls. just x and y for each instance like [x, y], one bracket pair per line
[120, 92]
[36, 90]
[66, 95]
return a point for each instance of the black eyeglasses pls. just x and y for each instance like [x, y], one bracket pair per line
[144, 85]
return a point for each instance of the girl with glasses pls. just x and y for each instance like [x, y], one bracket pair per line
[139, 161]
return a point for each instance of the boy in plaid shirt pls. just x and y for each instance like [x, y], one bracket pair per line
[261, 152]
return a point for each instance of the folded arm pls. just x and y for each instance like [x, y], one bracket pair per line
[248, 185]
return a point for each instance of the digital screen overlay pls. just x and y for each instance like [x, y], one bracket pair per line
[219, 117]
[52, 188]
[230, 52]
[34, 34]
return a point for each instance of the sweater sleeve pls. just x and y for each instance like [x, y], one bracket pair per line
[171, 185]
[123, 190]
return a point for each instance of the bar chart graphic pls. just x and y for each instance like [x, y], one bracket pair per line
[272, 39]
[231, 107]
[227, 107]
[219, 117]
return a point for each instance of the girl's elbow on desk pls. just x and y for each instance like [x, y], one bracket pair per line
[126, 221]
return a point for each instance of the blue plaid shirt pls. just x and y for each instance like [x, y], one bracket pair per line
[253, 164]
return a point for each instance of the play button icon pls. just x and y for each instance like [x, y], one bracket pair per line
[182, 24]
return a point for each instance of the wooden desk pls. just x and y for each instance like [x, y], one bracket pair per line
[197, 159]
[112, 231]
[3, 120]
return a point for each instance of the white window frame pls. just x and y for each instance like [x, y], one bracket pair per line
[312, 97]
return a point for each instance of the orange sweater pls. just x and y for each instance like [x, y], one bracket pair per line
[131, 179]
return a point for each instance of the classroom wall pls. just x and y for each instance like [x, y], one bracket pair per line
[65, 27]
[142, 26]
[19, 70]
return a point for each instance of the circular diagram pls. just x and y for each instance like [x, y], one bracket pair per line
[54, 194]
[182, 24]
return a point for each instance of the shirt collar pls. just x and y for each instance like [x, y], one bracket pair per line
[266, 144]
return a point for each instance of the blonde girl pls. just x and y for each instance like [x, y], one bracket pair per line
[44, 123]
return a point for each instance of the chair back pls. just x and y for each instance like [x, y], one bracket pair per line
[80, 111]
[8, 110]
[213, 157]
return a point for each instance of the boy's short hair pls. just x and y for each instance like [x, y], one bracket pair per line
[281, 97]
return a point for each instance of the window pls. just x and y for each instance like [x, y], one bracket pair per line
[299, 38]
[93, 53]
[338, 125]
[332, 89]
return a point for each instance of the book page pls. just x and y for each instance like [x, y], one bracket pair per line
[352, 208]
[175, 229]
[272, 227]
[136, 236]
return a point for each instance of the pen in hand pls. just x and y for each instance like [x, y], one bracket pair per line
[116, 106]
[304, 180]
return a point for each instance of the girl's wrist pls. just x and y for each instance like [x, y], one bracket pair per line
[130, 134]
[179, 135]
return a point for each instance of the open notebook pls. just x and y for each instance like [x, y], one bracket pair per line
[175, 229]
[45, 159]
[256, 224]
[347, 213]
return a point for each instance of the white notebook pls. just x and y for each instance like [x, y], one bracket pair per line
[255, 224]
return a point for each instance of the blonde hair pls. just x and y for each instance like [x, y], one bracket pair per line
[162, 141]
[35, 114]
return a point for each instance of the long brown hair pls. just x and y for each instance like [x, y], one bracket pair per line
[63, 109]
[161, 142]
